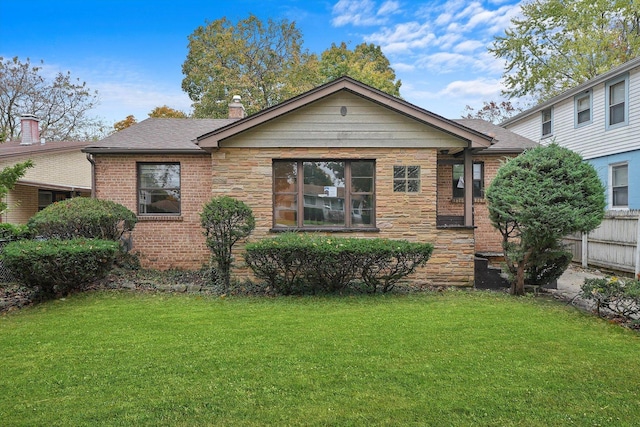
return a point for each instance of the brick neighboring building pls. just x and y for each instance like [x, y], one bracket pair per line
[384, 166]
[61, 170]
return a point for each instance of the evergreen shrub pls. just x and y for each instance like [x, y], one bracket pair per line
[293, 263]
[83, 217]
[57, 267]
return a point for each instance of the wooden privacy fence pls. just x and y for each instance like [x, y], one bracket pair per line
[614, 245]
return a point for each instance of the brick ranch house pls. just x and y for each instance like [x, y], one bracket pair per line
[343, 158]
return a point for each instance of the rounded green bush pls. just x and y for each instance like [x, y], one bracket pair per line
[83, 217]
[59, 266]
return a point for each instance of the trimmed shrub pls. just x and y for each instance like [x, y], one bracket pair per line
[301, 263]
[83, 217]
[620, 296]
[385, 262]
[57, 267]
[13, 231]
[225, 221]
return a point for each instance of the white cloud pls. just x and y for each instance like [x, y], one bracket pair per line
[485, 88]
[403, 67]
[355, 12]
[402, 37]
[468, 46]
[389, 7]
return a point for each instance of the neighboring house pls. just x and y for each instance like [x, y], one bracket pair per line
[61, 170]
[600, 119]
[343, 158]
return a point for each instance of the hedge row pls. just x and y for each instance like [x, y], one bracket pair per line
[295, 263]
[57, 267]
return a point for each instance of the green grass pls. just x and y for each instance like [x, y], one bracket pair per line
[454, 358]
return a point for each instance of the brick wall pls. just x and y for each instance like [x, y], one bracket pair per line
[487, 238]
[246, 174]
[163, 242]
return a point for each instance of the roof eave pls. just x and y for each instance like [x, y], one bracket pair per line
[589, 84]
[119, 150]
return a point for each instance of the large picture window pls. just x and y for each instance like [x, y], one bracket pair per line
[324, 194]
[158, 188]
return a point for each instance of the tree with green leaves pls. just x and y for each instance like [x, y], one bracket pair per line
[558, 44]
[535, 200]
[226, 221]
[265, 64]
[492, 111]
[8, 178]
[62, 104]
[262, 62]
[365, 63]
[166, 112]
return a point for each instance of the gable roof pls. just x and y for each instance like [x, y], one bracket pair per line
[476, 139]
[14, 149]
[155, 135]
[627, 66]
[504, 141]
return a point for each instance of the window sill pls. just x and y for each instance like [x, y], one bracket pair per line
[325, 229]
[160, 218]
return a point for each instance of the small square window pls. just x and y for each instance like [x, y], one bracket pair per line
[406, 179]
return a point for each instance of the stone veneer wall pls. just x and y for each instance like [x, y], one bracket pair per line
[246, 174]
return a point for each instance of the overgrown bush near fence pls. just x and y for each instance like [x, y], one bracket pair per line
[620, 296]
[57, 267]
[303, 263]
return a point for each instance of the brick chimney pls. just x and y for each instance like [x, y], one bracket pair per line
[236, 109]
[30, 129]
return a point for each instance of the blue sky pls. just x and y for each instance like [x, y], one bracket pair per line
[131, 51]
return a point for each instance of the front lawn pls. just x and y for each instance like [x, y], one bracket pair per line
[451, 358]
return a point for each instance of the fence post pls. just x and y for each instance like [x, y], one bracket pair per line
[585, 246]
[637, 271]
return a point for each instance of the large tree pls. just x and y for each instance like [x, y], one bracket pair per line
[492, 111]
[534, 201]
[365, 63]
[263, 63]
[166, 112]
[62, 104]
[557, 44]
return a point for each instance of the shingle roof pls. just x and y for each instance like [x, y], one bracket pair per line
[158, 135]
[504, 141]
[14, 149]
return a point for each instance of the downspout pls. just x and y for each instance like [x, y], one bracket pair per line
[93, 175]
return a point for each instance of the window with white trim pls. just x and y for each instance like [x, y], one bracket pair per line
[547, 122]
[620, 186]
[158, 188]
[617, 102]
[583, 109]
